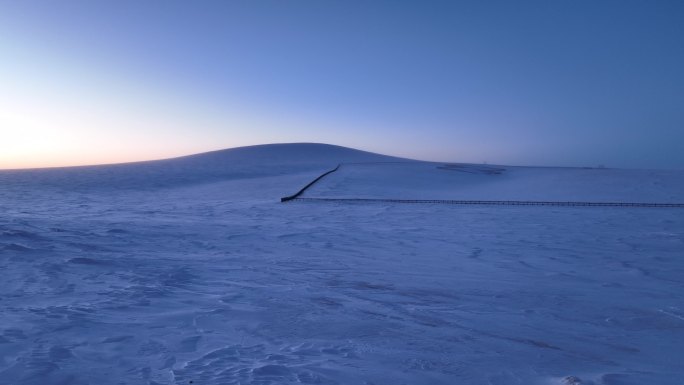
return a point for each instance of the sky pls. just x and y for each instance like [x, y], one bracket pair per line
[549, 82]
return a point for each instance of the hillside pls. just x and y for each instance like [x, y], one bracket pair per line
[224, 165]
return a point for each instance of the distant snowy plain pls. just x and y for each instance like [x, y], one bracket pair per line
[190, 270]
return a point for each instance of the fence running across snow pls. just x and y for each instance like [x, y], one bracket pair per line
[494, 203]
[298, 197]
[300, 192]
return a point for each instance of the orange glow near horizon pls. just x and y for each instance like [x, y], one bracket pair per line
[27, 143]
[75, 160]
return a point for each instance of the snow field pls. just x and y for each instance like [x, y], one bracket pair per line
[174, 278]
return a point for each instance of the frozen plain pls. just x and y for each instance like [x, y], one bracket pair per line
[190, 270]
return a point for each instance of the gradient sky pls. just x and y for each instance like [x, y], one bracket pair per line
[576, 83]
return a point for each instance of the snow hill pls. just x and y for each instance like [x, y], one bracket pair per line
[190, 270]
[236, 163]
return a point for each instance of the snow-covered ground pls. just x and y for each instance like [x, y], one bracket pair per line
[191, 271]
[425, 180]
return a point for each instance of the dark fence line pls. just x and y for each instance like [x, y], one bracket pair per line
[300, 192]
[494, 203]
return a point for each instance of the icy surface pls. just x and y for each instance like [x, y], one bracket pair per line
[190, 270]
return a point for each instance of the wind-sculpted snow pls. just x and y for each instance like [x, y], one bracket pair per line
[219, 283]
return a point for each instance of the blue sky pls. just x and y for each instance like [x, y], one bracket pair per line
[575, 83]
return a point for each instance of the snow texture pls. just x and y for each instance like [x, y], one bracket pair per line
[190, 270]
